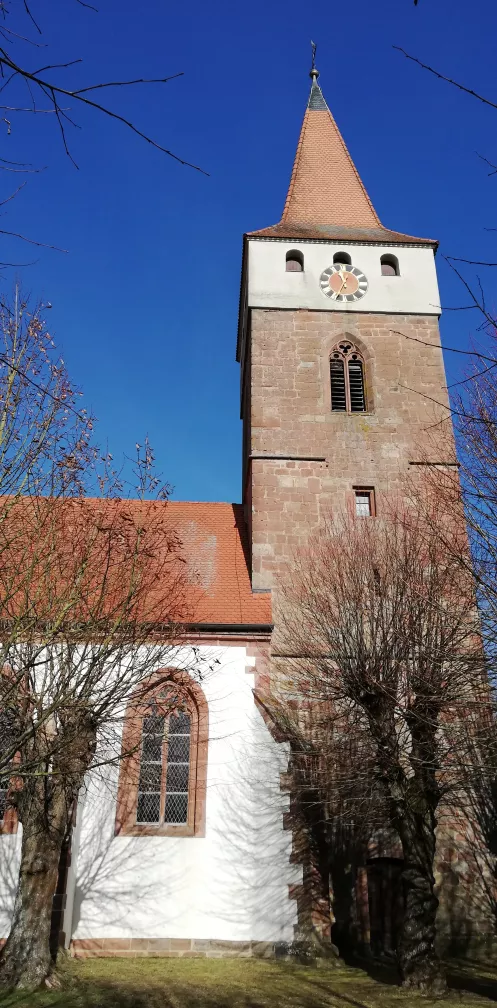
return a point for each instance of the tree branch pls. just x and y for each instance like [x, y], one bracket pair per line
[52, 90]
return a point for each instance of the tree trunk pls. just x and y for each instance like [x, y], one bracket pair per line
[25, 960]
[420, 965]
[419, 962]
[413, 799]
[45, 803]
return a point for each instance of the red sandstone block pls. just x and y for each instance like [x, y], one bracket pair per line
[125, 954]
[159, 944]
[88, 943]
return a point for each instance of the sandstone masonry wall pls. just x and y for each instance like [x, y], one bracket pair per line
[325, 454]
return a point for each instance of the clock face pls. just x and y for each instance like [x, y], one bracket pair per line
[342, 282]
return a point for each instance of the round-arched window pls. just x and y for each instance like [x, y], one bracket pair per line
[389, 265]
[294, 262]
[342, 257]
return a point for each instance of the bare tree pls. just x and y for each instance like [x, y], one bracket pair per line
[379, 624]
[95, 614]
[93, 599]
[469, 493]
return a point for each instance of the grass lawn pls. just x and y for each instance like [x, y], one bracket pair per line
[240, 983]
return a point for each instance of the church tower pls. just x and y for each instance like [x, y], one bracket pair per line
[341, 365]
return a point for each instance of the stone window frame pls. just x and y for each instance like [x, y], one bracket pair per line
[346, 347]
[195, 702]
[362, 341]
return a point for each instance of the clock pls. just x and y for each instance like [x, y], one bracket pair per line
[342, 282]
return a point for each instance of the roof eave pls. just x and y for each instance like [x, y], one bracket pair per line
[276, 233]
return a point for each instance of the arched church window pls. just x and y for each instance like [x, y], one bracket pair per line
[347, 379]
[294, 262]
[389, 265]
[163, 770]
[342, 257]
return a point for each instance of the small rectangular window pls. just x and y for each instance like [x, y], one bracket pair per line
[364, 502]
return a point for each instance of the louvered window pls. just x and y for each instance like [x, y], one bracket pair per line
[347, 380]
[338, 396]
[356, 385]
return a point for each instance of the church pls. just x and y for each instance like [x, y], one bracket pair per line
[341, 372]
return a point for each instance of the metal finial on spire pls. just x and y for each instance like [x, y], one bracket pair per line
[314, 74]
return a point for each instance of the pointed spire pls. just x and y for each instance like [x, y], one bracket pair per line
[326, 197]
[325, 187]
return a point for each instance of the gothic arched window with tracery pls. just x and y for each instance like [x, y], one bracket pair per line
[347, 379]
[163, 770]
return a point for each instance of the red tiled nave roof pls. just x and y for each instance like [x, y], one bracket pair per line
[214, 544]
[197, 572]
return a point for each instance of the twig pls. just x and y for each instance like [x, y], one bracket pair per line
[30, 16]
[467, 353]
[449, 80]
[15, 108]
[126, 83]
[31, 241]
[36, 385]
[13, 194]
[472, 262]
[494, 172]
[482, 308]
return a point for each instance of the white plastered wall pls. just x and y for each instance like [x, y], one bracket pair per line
[414, 291]
[10, 850]
[231, 884]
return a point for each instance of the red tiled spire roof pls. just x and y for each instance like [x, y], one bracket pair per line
[326, 197]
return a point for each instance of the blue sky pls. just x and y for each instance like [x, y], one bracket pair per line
[145, 302]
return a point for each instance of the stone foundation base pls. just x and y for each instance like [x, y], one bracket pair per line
[199, 948]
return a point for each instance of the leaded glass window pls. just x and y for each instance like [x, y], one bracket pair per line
[178, 769]
[150, 783]
[164, 780]
[163, 776]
